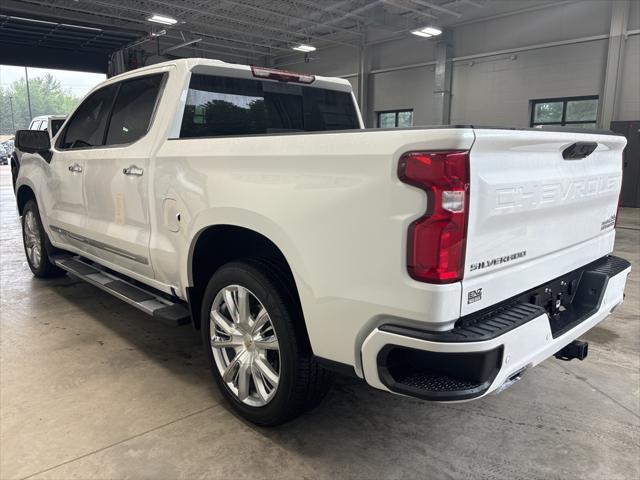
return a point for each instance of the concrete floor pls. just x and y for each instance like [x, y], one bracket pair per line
[92, 388]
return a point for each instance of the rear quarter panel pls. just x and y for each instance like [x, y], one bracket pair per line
[331, 202]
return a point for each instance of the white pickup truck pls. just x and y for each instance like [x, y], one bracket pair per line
[438, 263]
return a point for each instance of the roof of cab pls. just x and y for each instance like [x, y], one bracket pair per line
[191, 63]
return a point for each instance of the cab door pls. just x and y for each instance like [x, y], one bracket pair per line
[116, 178]
[64, 200]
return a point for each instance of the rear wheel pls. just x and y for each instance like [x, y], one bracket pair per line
[36, 243]
[257, 346]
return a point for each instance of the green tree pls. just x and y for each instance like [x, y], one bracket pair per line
[47, 98]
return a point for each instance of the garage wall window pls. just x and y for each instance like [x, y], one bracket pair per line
[395, 118]
[569, 111]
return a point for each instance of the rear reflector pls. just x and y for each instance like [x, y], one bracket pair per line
[436, 241]
[282, 75]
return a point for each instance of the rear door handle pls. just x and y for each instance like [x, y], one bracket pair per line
[75, 168]
[133, 170]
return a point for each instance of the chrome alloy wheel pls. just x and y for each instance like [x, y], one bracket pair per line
[244, 345]
[32, 243]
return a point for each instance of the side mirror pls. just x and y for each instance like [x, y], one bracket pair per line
[34, 141]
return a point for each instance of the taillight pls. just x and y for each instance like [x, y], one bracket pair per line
[436, 241]
[282, 75]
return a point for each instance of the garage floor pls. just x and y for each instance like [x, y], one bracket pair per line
[92, 388]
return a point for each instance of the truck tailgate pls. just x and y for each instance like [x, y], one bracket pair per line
[534, 215]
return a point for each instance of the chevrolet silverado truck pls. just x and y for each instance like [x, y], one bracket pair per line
[438, 263]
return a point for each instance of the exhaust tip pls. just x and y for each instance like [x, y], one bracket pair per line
[575, 349]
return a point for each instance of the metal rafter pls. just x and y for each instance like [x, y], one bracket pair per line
[402, 6]
[437, 7]
[249, 23]
[129, 19]
[251, 28]
[297, 19]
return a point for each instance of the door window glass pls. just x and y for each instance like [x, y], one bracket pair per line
[86, 128]
[133, 109]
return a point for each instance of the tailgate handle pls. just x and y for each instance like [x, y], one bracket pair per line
[579, 150]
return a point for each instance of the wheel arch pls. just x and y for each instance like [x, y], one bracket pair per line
[237, 242]
[23, 195]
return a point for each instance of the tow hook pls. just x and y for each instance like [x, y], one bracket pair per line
[575, 349]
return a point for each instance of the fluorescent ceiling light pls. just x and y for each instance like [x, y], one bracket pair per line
[427, 32]
[162, 19]
[81, 26]
[33, 20]
[305, 48]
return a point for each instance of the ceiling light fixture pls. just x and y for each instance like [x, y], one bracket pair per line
[164, 20]
[427, 32]
[81, 26]
[305, 48]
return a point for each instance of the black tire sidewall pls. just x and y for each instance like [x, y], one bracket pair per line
[44, 269]
[238, 273]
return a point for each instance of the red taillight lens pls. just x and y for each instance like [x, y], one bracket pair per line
[436, 243]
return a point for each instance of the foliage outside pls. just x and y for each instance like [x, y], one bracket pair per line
[47, 98]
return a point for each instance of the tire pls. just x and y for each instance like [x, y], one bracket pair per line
[36, 243]
[301, 383]
[14, 171]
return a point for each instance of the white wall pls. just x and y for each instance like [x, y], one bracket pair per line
[405, 89]
[496, 90]
[563, 22]
[628, 101]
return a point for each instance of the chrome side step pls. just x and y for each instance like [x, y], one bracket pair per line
[173, 313]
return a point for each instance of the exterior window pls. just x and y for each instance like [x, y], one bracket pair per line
[87, 126]
[395, 118]
[117, 114]
[133, 109]
[55, 126]
[218, 106]
[571, 111]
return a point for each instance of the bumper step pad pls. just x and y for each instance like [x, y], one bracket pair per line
[170, 311]
[480, 328]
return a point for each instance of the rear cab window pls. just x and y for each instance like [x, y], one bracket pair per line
[219, 106]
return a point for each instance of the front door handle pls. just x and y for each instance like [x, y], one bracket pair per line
[75, 168]
[133, 170]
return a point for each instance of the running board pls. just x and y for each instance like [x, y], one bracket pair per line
[172, 313]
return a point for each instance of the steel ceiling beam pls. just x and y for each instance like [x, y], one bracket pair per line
[291, 17]
[251, 24]
[437, 7]
[199, 13]
[409, 9]
[146, 24]
[208, 34]
[336, 7]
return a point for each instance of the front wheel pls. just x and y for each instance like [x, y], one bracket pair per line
[36, 243]
[256, 344]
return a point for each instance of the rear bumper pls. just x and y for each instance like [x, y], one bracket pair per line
[490, 350]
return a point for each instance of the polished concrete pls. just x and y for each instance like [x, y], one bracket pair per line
[92, 388]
